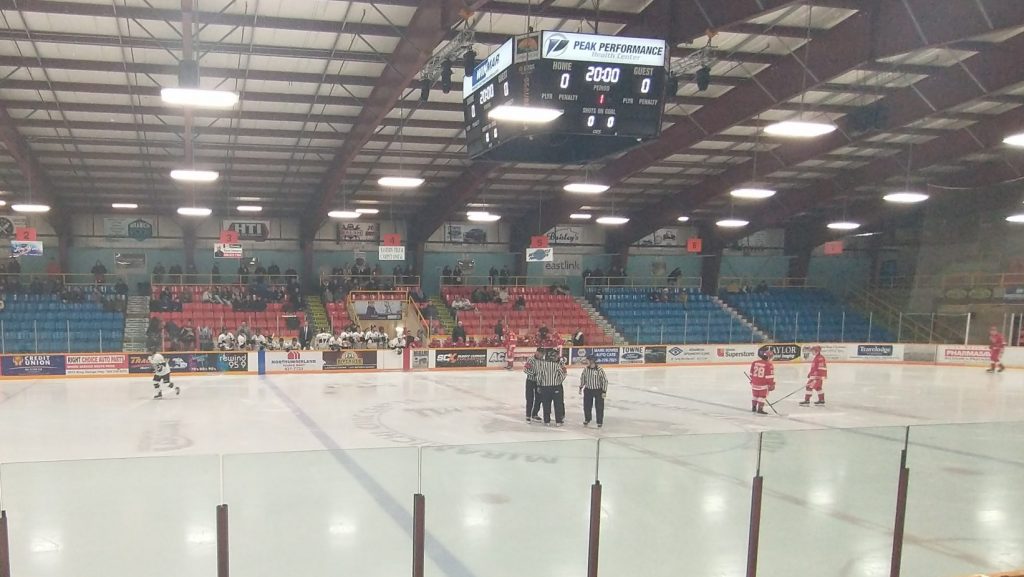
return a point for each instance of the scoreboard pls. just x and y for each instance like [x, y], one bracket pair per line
[609, 91]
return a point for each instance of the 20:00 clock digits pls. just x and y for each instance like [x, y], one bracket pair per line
[605, 74]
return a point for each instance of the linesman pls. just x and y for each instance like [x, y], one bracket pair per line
[594, 386]
[549, 373]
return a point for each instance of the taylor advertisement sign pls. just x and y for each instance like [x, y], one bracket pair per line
[101, 364]
[25, 365]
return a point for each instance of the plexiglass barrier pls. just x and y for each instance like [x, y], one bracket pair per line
[668, 506]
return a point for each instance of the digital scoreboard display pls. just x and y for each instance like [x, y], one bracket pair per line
[609, 92]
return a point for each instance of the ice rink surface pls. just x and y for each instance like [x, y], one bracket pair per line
[677, 454]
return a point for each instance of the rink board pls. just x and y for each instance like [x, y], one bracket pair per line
[358, 360]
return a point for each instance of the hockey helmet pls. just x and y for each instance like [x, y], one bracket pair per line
[156, 359]
[767, 353]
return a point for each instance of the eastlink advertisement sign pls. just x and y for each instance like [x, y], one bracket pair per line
[487, 69]
[610, 49]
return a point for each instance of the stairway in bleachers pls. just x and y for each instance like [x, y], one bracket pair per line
[318, 314]
[601, 321]
[136, 322]
[806, 315]
[671, 316]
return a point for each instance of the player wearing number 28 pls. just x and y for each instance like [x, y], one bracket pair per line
[762, 380]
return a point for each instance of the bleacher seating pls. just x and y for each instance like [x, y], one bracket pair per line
[337, 313]
[792, 314]
[273, 320]
[560, 313]
[641, 320]
[45, 324]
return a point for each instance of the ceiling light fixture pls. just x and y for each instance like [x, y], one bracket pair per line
[867, 234]
[126, 205]
[3, 203]
[580, 216]
[400, 181]
[30, 207]
[1015, 139]
[1018, 218]
[752, 193]
[479, 216]
[194, 211]
[347, 214]
[249, 208]
[367, 210]
[732, 223]
[198, 97]
[191, 175]
[799, 129]
[843, 225]
[683, 219]
[524, 114]
[585, 188]
[612, 220]
[905, 197]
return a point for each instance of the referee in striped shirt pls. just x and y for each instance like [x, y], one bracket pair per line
[549, 372]
[594, 386]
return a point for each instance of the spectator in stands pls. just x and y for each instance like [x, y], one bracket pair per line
[187, 336]
[459, 334]
[291, 274]
[446, 275]
[205, 338]
[683, 297]
[215, 274]
[673, 277]
[587, 273]
[273, 270]
[577, 337]
[599, 278]
[499, 330]
[174, 274]
[121, 287]
[186, 297]
[520, 303]
[462, 304]
[158, 273]
[762, 287]
[745, 289]
[243, 273]
[503, 276]
[225, 340]
[457, 275]
[99, 272]
[503, 295]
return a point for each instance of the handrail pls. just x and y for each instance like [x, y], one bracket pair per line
[919, 331]
[956, 280]
[395, 280]
[593, 282]
[752, 282]
[232, 279]
[508, 281]
[65, 279]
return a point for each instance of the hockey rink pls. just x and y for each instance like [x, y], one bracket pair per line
[98, 479]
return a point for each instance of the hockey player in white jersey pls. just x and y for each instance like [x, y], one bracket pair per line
[162, 374]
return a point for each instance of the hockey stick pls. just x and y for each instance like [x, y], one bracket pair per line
[765, 400]
[802, 387]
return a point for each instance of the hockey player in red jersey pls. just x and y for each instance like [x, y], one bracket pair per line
[996, 344]
[816, 378]
[762, 380]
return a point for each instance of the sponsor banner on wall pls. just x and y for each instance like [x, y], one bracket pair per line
[656, 355]
[631, 356]
[877, 352]
[224, 250]
[390, 252]
[8, 224]
[358, 232]
[381, 310]
[690, 353]
[257, 230]
[560, 45]
[294, 361]
[139, 364]
[467, 234]
[567, 235]
[192, 362]
[449, 358]
[130, 260]
[1013, 293]
[564, 265]
[496, 358]
[419, 359]
[25, 365]
[604, 355]
[832, 352]
[660, 237]
[20, 248]
[540, 255]
[735, 353]
[962, 354]
[349, 360]
[129, 227]
[102, 364]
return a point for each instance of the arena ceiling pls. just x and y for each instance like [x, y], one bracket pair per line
[326, 85]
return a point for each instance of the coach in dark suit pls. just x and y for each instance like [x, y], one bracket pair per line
[305, 336]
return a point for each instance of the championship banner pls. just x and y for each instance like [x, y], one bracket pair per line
[30, 365]
[349, 360]
[461, 358]
[358, 232]
[221, 250]
[660, 237]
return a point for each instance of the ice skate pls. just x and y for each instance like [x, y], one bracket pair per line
[762, 412]
[819, 403]
[159, 395]
[805, 403]
[599, 425]
[1001, 369]
[586, 423]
